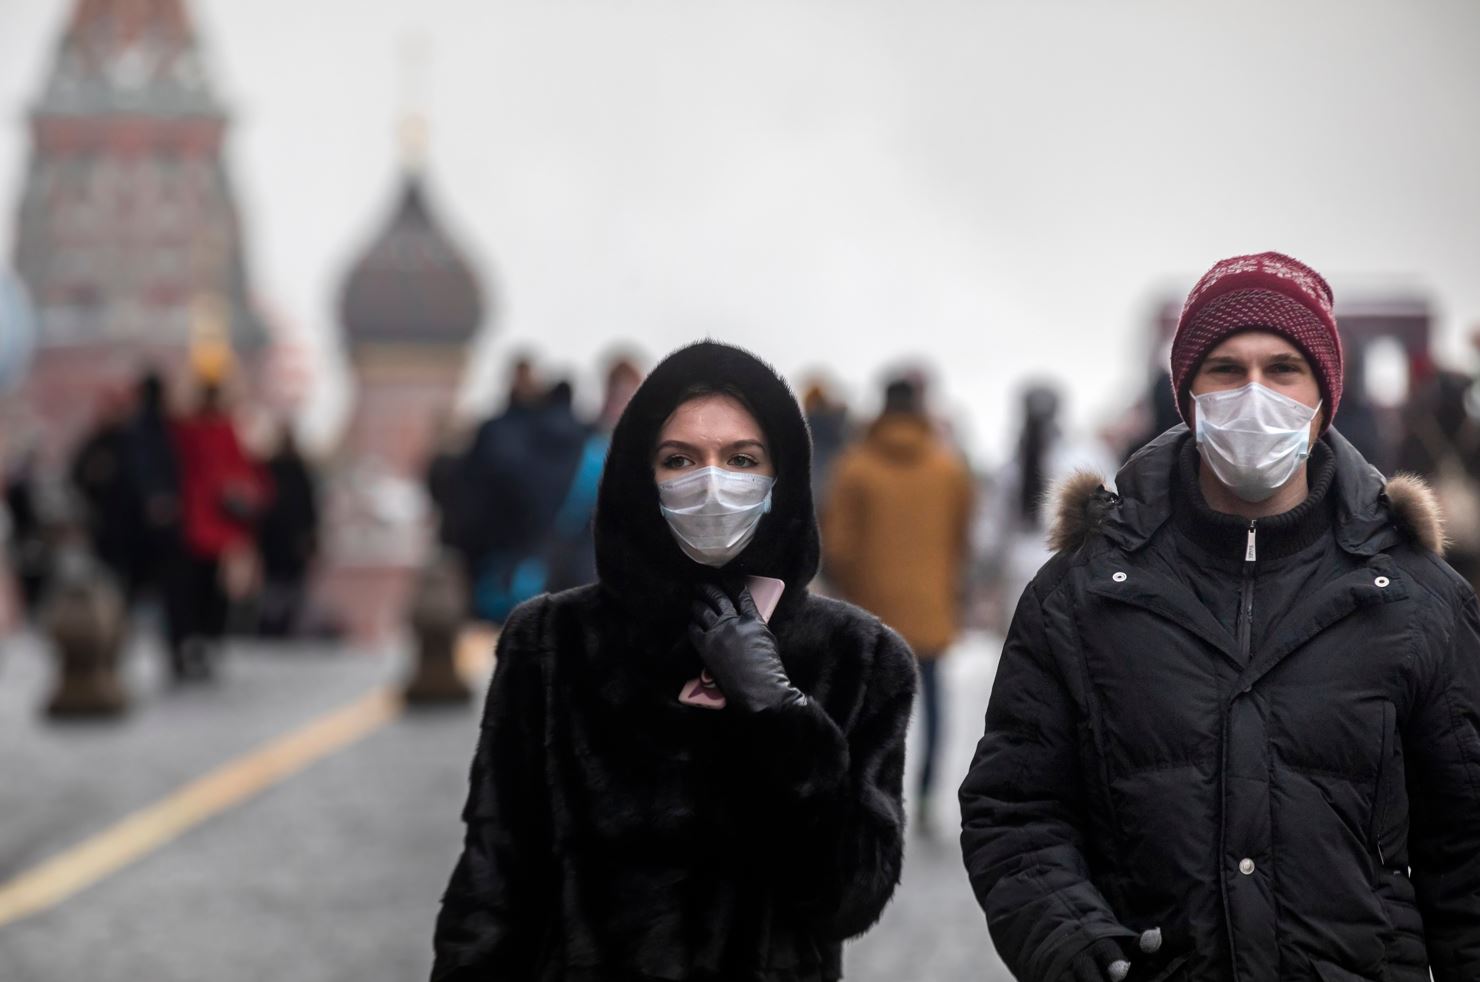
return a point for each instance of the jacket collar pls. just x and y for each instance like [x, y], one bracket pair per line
[1224, 537]
[1371, 514]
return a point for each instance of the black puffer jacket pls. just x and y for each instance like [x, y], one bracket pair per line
[614, 833]
[1269, 749]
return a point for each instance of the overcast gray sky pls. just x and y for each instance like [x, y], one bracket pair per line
[999, 187]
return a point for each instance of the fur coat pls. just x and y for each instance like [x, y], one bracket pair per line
[614, 833]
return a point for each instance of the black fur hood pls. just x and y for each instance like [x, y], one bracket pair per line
[637, 560]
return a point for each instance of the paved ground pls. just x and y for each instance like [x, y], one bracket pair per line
[933, 929]
[332, 875]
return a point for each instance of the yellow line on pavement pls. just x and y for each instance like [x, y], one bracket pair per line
[141, 833]
[69, 873]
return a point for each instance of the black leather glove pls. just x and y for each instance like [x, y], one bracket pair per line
[740, 651]
[1102, 961]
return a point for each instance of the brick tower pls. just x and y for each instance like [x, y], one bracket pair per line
[127, 229]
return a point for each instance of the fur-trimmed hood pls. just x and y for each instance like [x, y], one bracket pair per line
[1373, 513]
[638, 562]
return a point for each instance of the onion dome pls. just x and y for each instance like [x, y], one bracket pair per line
[412, 286]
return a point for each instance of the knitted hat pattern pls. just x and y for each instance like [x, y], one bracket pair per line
[1268, 290]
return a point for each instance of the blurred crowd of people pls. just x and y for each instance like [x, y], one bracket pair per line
[515, 495]
[174, 507]
[169, 508]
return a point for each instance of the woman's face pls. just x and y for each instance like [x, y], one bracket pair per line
[711, 431]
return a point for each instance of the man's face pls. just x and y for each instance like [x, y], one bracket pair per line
[1263, 357]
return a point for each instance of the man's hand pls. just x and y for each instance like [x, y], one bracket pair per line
[1102, 961]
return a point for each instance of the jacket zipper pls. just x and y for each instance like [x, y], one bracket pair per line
[1246, 593]
[1245, 644]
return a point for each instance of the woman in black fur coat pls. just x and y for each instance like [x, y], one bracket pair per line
[667, 785]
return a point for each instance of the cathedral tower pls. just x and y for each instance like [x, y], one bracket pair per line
[128, 228]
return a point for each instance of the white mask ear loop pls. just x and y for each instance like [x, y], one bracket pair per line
[1310, 442]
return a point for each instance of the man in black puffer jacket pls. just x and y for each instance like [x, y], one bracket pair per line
[1235, 732]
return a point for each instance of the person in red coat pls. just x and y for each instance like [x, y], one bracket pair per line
[222, 492]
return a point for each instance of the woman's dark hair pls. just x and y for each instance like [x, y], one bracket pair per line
[701, 389]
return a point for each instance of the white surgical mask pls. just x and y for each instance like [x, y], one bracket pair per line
[1253, 438]
[713, 512]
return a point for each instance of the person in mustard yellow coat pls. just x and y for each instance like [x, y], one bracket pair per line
[895, 541]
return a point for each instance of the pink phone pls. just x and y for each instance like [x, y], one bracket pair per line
[766, 591]
[704, 691]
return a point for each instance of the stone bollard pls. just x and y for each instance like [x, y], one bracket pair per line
[83, 614]
[438, 611]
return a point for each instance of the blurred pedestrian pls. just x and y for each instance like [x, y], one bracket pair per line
[154, 475]
[29, 543]
[446, 486]
[1012, 530]
[526, 389]
[1360, 420]
[222, 495]
[571, 554]
[827, 421]
[499, 523]
[1442, 442]
[672, 782]
[896, 534]
[623, 376]
[287, 538]
[1157, 412]
[101, 477]
[1232, 732]
[549, 476]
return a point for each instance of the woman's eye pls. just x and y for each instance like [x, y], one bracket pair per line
[744, 460]
[675, 461]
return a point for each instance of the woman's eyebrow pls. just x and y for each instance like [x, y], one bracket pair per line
[676, 445]
[748, 443]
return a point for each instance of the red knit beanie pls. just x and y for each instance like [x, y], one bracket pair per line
[1269, 291]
